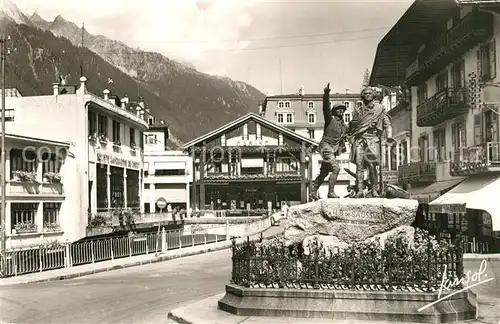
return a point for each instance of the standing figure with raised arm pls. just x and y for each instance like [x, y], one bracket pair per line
[368, 123]
[332, 144]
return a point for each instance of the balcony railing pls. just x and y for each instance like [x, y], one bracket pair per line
[424, 172]
[279, 176]
[476, 159]
[472, 29]
[447, 103]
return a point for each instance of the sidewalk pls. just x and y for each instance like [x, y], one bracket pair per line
[88, 269]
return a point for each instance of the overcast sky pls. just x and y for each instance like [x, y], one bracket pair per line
[277, 46]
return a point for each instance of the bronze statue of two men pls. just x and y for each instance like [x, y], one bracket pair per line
[364, 132]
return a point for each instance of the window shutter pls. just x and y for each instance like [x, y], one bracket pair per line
[479, 64]
[493, 62]
[478, 136]
[462, 74]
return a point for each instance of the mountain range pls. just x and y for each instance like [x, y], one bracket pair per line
[191, 102]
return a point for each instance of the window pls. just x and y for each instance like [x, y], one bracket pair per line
[347, 104]
[103, 125]
[422, 93]
[132, 136]
[288, 104]
[146, 186]
[50, 163]
[286, 164]
[22, 161]
[117, 186]
[458, 75]
[289, 118]
[310, 132]
[116, 131]
[423, 148]
[311, 118]
[439, 150]
[258, 133]
[251, 129]
[280, 119]
[151, 139]
[442, 80]
[458, 140]
[174, 172]
[51, 215]
[150, 121]
[245, 132]
[347, 117]
[102, 185]
[310, 105]
[23, 217]
[478, 134]
[281, 104]
[359, 104]
[403, 153]
[92, 123]
[486, 61]
[133, 188]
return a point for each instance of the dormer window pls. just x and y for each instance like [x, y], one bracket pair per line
[359, 104]
[280, 119]
[347, 104]
[288, 104]
[289, 118]
[310, 105]
[150, 121]
[311, 118]
[281, 104]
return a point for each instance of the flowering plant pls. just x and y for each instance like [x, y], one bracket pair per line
[93, 137]
[103, 138]
[25, 227]
[117, 143]
[53, 177]
[52, 227]
[27, 176]
[133, 145]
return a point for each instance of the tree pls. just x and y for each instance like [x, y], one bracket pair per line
[366, 78]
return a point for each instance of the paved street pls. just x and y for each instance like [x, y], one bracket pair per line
[142, 294]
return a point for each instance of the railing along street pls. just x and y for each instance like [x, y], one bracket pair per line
[60, 255]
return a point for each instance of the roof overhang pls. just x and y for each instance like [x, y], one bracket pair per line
[399, 47]
[242, 120]
[28, 139]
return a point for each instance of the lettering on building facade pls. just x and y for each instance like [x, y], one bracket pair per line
[116, 161]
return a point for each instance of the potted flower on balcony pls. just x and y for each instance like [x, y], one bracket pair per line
[27, 227]
[103, 139]
[24, 176]
[51, 227]
[52, 177]
[133, 146]
[117, 144]
[93, 137]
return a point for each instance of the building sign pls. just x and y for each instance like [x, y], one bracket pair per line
[116, 161]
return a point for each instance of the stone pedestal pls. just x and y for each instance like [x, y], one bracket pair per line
[347, 305]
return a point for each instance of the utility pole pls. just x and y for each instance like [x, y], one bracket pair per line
[3, 55]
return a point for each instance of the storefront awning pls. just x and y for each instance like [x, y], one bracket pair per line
[433, 191]
[478, 192]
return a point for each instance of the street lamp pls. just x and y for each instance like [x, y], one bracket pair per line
[3, 256]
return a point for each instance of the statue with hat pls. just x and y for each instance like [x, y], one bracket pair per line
[332, 144]
[369, 121]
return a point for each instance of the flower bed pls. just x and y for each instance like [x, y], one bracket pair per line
[398, 266]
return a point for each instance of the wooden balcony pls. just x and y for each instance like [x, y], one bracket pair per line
[476, 160]
[474, 28]
[417, 172]
[277, 176]
[444, 105]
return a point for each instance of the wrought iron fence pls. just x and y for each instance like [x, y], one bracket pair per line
[60, 255]
[394, 268]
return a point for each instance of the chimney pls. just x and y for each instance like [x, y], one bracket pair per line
[83, 81]
[261, 112]
[124, 102]
[301, 91]
[106, 94]
[348, 91]
[55, 88]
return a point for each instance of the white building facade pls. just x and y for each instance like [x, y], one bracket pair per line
[167, 174]
[72, 154]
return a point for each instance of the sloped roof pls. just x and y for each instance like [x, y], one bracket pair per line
[243, 119]
[398, 49]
